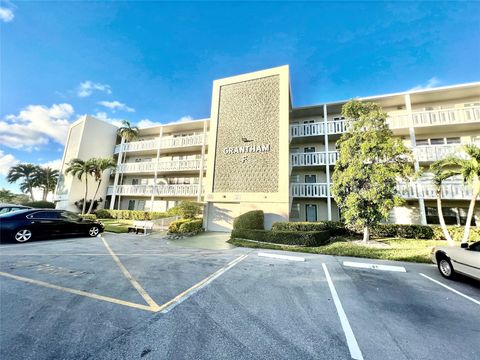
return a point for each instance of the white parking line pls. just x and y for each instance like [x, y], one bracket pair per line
[282, 257]
[451, 289]
[355, 352]
[374, 266]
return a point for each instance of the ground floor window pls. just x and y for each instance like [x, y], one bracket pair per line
[295, 212]
[452, 215]
[131, 204]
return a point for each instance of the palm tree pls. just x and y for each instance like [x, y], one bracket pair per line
[440, 173]
[98, 166]
[46, 178]
[78, 167]
[469, 169]
[26, 172]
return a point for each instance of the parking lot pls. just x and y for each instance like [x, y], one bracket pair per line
[123, 296]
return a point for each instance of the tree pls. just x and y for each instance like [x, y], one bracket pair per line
[25, 172]
[80, 168]
[440, 173]
[469, 170]
[97, 168]
[46, 178]
[369, 165]
[6, 196]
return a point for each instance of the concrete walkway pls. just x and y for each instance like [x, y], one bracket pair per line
[206, 240]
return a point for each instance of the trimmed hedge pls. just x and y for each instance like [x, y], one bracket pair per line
[89, 216]
[129, 214]
[401, 230]
[174, 226]
[336, 228]
[302, 238]
[41, 204]
[456, 232]
[193, 226]
[250, 220]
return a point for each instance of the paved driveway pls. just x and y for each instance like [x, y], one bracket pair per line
[128, 297]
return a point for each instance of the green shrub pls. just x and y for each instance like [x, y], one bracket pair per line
[250, 220]
[302, 238]
[41, 204]
[336, 228]
[129, 214]
[174, 226]
[191, 226]
[186, 210]
[103, 214]
[89, 216]
[456, 232]
[402, 231]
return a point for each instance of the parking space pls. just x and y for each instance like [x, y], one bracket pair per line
[126, 296]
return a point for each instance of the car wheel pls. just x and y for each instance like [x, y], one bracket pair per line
[445, 267]
[93, 231]
[23, 235]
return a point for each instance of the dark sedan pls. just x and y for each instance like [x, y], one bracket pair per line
[25, 225]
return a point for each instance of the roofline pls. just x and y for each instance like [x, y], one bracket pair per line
[440, 88]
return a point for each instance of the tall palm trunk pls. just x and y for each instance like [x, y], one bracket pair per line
[466, 234]
[30, 190]
[442, 220]
[86, 194]
[94, 197]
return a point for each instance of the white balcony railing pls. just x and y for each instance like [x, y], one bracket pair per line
[164, 143]
[450, 191]
[308, 190]
[437, 152]
[436, 117]
[317, 128]
[313, 158]
[161, 166]
[156, 190]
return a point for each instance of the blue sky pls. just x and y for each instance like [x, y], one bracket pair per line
[155, 61]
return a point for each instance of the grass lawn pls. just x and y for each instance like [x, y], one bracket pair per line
[116, 225]
[389, 249]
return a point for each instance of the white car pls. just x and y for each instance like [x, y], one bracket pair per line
[463, 259]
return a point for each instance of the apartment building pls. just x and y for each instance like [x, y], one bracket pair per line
[257, 151]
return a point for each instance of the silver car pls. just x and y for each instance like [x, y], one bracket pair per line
[463, 259]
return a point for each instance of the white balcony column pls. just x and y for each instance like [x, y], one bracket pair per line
[202, 160]
[413, 140]
[155, 173]
[327, 163]
[115, 180]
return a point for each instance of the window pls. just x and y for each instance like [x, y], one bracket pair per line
[475, 246]
[422, 142]
[311, 212]
[134, 181]
[310, 179]
[453, 140]
[295, 211]
[295, 178]
[131, 204]
[309, 149]
[308, 121]
[44, 215]
[439, 141]
[67, 215]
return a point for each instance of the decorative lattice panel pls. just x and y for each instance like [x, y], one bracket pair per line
[247, 151]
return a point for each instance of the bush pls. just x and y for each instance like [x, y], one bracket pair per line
[174, 226]
[129, 214]
[79, 204]
[89, 216]
[402, 231]
[186, 210]
[250, 220]
[336, 228]
[41, 204]
[192, 226]
[302, 238]
[456, 232]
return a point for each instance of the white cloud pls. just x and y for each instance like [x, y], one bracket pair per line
[6, 15]
[103, 116]
[36, 125]
[116, 105]
[54, 164]
[6, 162]
[431, 83]
[86, 88]
[144, 123]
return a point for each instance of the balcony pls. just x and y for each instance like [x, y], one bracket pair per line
[161, 166]
[308, 190]
[450, 191]
[436, 117]
[317, 128]
[430, 153]
[189, 190]
[313, 158]
[164, 143]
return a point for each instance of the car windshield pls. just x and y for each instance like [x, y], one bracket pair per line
[14, 213]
